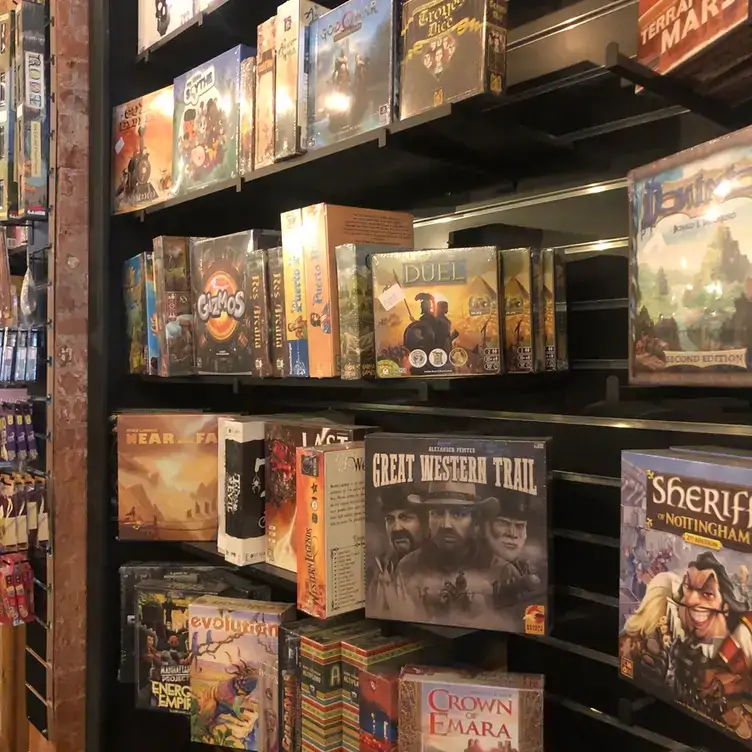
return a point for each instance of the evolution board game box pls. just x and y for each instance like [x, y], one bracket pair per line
[451, 50]
[457, 531]
[350, 71]
[134, 295]
[265, 93]
[685, 594]
[207, 122]
[459, 710]
[247, 114]
[691, 267]
[167, 476]
[142, 151]
[8, 183]
[436, 313]
[158, 18]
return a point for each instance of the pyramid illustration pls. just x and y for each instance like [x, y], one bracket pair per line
[480, 288]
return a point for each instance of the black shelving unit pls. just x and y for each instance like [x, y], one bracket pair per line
[562, 139]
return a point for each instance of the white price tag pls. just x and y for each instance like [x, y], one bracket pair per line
[390, 297]
[119, 145]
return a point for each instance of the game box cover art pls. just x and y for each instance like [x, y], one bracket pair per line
[436, 313]
[524, 314]
[441, 710]
[457, 531]
[134, 292]
[350, 71]
[231, 642]
[158, 18]
[207, 122]
[691, 266]
[142, 151]
[685, 594]
[378, 709]
[167, 476]
[451, 50]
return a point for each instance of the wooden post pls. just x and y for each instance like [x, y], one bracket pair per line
[13, 725]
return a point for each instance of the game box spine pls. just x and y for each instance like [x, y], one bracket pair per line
[296, 314]
[265, 93]
[247, 114]
[260, 315]
[152, 319]
[560, 309]
[537, 313]
[134, 294]
[495, 46]
[355, 292]
[8, 185]
[277, 308]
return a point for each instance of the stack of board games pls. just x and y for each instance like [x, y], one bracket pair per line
[206, 122]
[454, 328]
[225, 318]
[451, 50]
[457, 531]
[456, 711]
[8, 184]
[158, 19]
[283, 437]
[685, 599]
[232, 641]
[167, 476]
[142, 151]
[691, 267]
[265, 94]
[350, 71]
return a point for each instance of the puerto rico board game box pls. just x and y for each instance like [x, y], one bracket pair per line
[158, 18]
[690, 296]
[142, 151]
[451, 50]
[436, 313]
[457, 531]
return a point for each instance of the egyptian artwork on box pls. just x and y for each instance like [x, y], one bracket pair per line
[451, 50]
[553, 269]
[158, 18]
[207, 121]
[8, 185]
[436, 313]
[445, 710]
[247, 114]
[524, 335]
[167, 476]
[134, 292]
[265, 93]
[691, 266]
[457, 531]
[142, 151]
[232, 640]
[350, 71]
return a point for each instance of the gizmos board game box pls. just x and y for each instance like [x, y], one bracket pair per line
[457, 531]
[436, 313]
[685, 596]
[142, 151]
[167, 476]
[456, 711]
[691, 266]
[350, 71]
[451, 50]
[207, 122]
[158, 18]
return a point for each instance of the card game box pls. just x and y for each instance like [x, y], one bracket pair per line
[457, 710]
[350, 69]
[293, 20]
[378, 710]
[172, 281]
[152, 319]
[167, 476]
[451, 50]
[277, 328]
[221, 298]
[142, 151]
[690, 269]
[283, 437]
[248, 633]
[265, 93]
[324, 228]
[457, 531]
[436, 312]
[295, 298]
[207, 122]
[554, 273]
[247, 114]
[258, 299]
[8, 184]
[330, 529]
[134, 293]
[158, 18]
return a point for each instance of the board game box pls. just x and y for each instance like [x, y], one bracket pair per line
[691, 266]
[457, 531]
[152, 320]
[378, 710]
[8, 184]
[247, 114]
[685, 598]
[283, 437]
[207, 122]
[277, 329]
[167, 476]
[232, 640]
[142, 151]
[554, 271]
[451, 50]
[436, 312]
[265, 96]
[258, 299]
[158, 18]
[295, 298]
[172, 281]
[221, 299]
[350, 71]
[134, 292]
[456, 711]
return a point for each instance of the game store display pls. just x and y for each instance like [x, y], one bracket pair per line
[158, 19]
[16, 590]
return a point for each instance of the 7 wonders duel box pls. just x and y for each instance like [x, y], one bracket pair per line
[685, 591]
[457, 531]
[451, 50]
[436, 313]
[691, 266]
